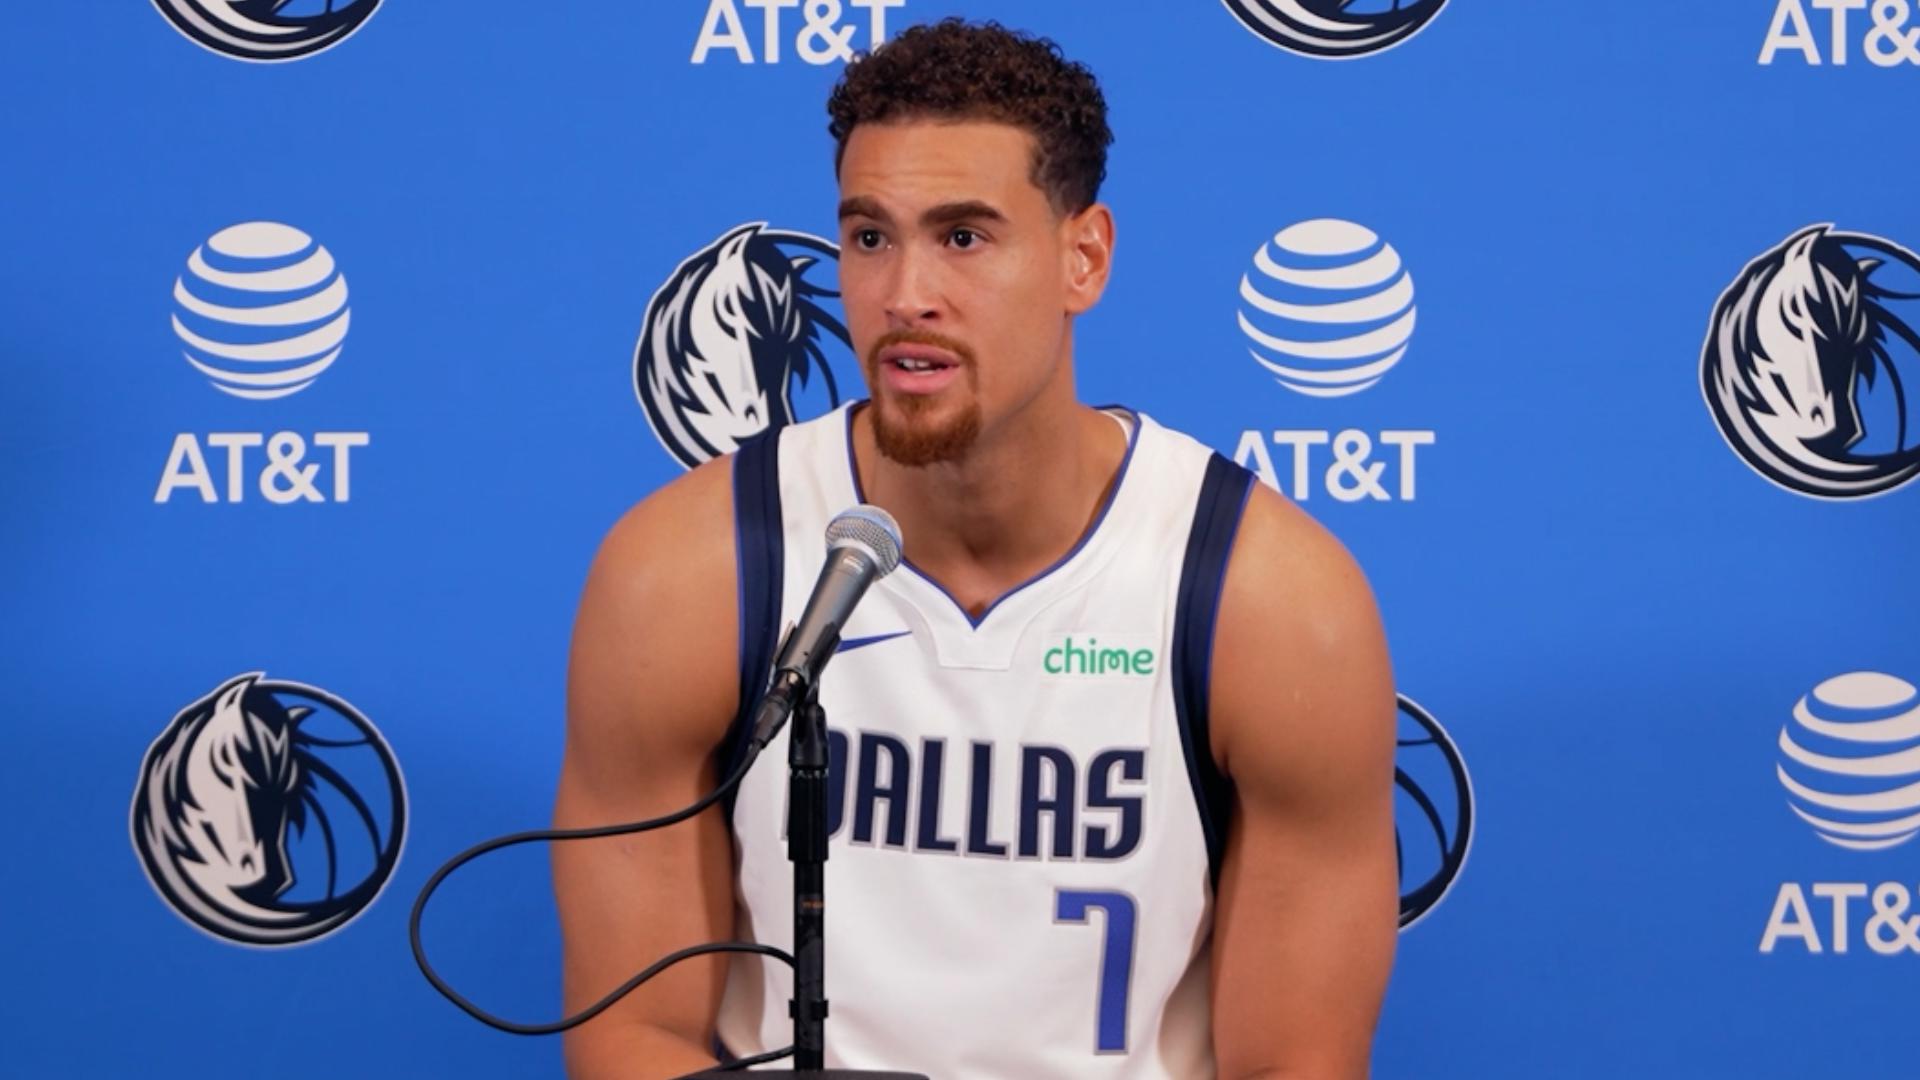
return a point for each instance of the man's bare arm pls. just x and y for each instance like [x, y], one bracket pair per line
[1302, 719]
[651, 686]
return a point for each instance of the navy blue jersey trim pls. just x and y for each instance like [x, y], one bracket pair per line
[1113, 496]
[1216, 521]
[760, 568]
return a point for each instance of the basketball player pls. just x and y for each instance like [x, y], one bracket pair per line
[1115, 745]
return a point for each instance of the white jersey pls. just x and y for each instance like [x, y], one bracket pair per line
[1026, 818]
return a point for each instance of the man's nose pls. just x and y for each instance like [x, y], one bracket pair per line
[911, 289]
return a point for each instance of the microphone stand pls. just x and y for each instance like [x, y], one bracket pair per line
[807, 850]
[807, 764]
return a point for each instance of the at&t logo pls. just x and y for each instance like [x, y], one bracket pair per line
[821, 33]
[269, 812]
[267, 30]
[1327, 309]
[1335, 29]
[1807, 359]
[1850, 764]
[1884, 34]
[277, 302]
[261, 311]
[736, 341]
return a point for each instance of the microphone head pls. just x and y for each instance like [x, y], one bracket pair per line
[871, 528]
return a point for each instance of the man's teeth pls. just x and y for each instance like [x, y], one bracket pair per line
[911, 364]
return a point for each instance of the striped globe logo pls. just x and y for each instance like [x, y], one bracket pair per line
[1328, 307]
[261, 310]
[1850, 760]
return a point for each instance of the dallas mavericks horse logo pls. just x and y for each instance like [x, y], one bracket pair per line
[1335, 29]
[269, 812]
[267, 30]
[1805, 364]
[733, 336]
[1432, 811]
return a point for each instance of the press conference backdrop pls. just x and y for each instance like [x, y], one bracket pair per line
[337, 334]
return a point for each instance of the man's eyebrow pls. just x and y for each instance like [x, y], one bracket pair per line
[943, 214]
[862, 206]
[969, 210]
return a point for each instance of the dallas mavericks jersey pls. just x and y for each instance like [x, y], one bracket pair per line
[1026, 817]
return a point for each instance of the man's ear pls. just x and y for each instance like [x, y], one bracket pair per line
[1087, 239]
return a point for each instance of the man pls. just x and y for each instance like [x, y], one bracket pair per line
[1114, 747]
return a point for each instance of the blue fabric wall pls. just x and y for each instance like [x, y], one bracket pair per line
[1586, 584]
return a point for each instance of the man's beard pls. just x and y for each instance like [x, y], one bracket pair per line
[915, 438]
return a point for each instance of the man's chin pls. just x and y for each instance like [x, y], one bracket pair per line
[919, 433]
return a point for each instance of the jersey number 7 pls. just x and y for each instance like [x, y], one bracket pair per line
[1116, 959]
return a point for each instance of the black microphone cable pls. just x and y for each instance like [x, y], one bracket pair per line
[665, 962]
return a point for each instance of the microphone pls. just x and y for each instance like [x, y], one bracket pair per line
[863, 546]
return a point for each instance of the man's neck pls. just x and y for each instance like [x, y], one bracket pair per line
[1020, 500]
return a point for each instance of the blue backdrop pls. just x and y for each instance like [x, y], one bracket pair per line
[1590, 588]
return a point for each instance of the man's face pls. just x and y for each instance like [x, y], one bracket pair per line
[954, 275]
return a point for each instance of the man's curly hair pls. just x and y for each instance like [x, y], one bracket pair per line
[956, 70]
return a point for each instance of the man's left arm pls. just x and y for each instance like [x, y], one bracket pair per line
[1303, 720]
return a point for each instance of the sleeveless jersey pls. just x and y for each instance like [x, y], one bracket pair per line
[1026, 817]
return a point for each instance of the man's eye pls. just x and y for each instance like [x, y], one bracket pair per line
[963, 238]
[867, 239]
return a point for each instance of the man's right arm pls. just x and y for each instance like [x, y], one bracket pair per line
[652, 685]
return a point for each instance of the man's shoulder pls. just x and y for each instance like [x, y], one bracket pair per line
[653, 645]
[1170, 439]
[1299, 575]
[1274, 526]
[1297, 617]
[685, 525]
[1266, 521]
[693, 498]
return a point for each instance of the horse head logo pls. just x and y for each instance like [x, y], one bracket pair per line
[729, 337]
[1335, 29]
[226, 788]
[1432, 811]
[1793, 343]
[260, 30]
